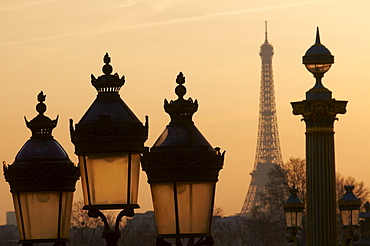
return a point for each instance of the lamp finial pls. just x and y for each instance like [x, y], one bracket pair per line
[318, 42]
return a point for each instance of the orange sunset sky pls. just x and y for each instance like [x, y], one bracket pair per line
[54, 46]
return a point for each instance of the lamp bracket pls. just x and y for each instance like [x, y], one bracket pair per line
[208, 241]
[110, 236]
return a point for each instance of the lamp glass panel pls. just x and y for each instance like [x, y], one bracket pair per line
[164, 207]
[294, 219]
[65, 219]
[318, 68]
[17, 214]
[195, 201]
[355, 216]
[105, 178]
[299, 219]
[346, 217]
[288, 219]
[135, 173]
[38, 214]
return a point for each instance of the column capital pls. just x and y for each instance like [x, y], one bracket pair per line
[319, 114]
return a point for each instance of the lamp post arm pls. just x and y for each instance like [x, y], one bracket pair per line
[178, 242]
[111, 237]
[162, 242]
[95, 213]
[125, 212]
[347, 241]
[60, 244]
[292, 239]
[300, 241]
[208, 241]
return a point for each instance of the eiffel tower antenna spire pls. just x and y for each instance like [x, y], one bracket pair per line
[266, 31]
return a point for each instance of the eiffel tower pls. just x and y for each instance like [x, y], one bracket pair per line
[268, 151]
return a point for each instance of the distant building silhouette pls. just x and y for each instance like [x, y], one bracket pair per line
[9, 235]
[10, 218]
[268, 151]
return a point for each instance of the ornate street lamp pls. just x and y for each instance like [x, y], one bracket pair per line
[349, 206]
[182, 170]
[42, 181]
[108, 141]
[319, 111]
[293, 209]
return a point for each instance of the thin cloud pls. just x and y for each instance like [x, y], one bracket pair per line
[168, 22]
[219, 15]
[114, 7]
[19, 6]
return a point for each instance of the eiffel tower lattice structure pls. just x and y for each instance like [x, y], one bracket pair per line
[268, 151]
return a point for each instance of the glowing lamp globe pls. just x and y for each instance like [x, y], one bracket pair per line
[318, 58]
[293, 209]
[349, 206]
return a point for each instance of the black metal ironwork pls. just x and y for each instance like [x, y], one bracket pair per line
[363, 238]
[203, 241]
[349, 202]
[182, 154]
[108, 125]
[41, 165]
[293, 209]
[111, 236]
[319, 112]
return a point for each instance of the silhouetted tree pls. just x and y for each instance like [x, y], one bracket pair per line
[294, 173]
[360, 190]
[85, 231]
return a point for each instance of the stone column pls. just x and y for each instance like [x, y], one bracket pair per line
[319, 116]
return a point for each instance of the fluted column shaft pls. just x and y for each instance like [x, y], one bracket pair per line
[319, 116]
[321, 200]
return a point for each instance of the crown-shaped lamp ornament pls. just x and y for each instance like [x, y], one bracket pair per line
[41, 126]
[107, 82]
[181, 110]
